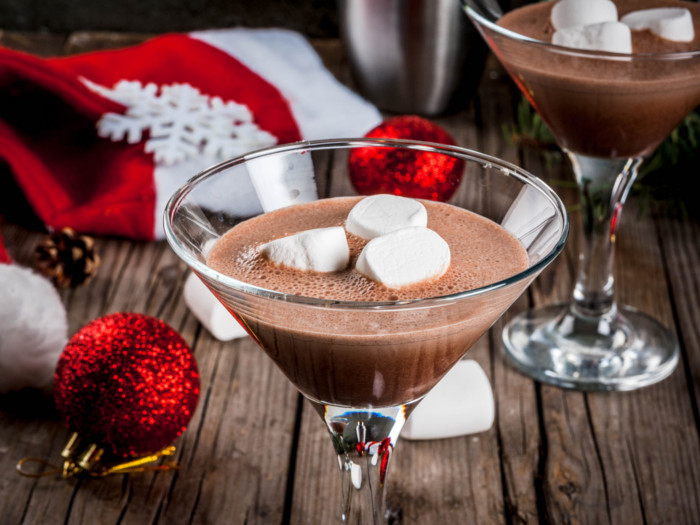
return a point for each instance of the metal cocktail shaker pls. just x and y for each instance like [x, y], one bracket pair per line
[412, 56]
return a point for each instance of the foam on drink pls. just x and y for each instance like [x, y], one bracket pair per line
[481, 253]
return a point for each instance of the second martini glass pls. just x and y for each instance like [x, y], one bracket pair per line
[607, 111]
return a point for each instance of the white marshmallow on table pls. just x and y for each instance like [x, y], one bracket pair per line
[319, 250]
[671, 23]
[381, 214]
[614, 37]
[209, 311]
[403, 257]
[571, 13]
[460, 404]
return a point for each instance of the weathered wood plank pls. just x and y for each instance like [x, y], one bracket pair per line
[463, 474]
[29, 427]
[333, 55]
[234, 455]
[543, 453]
[603, 461]
[238, 464]
[516, 427]
[39, 44]
[517, 433]
[552, 456]
[316, 497]
[659, 431]
[86, 41]
[681, 250]
[466, 484]
[454, 480]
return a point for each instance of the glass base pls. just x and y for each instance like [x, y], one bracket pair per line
[622, 350]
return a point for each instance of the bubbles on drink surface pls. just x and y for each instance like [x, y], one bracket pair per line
[482, 252]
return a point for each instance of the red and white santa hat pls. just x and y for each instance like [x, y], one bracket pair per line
[100, 141]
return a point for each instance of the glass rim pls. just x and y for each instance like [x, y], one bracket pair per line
[483, 159]
[583, 53]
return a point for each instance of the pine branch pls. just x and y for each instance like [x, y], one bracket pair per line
[529, 130]
[665, 177]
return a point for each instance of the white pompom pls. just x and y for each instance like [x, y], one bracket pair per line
[33, 329]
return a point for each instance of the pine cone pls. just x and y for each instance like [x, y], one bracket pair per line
[67, 258]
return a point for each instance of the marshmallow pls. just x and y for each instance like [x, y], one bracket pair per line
[209, 311]
[460, 404]
[319, 250]
[282, 181]
[614, 37]
[572, 13]
[671, 23]
[381, 214]
[403, 257]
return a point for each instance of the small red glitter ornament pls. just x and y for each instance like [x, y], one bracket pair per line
[409, 173]
[128, 383]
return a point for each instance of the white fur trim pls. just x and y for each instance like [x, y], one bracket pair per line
[321, 105]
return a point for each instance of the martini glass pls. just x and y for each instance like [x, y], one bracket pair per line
[607, 111]
[363, 366]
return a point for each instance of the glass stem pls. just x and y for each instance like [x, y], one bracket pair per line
[364, 440]
[603, 185]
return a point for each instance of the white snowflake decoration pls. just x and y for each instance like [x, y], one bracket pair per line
[181, 121]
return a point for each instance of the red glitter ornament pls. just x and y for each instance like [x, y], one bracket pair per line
[409, 173]
[128, 383]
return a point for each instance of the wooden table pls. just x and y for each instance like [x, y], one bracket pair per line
[255, 452]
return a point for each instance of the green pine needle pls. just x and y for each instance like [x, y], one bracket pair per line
[665, 177]
[529, 129]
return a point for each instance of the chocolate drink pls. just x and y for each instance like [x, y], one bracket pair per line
[349, 354]
[610, 108]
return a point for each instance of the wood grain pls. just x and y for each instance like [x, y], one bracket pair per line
[256, 452]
